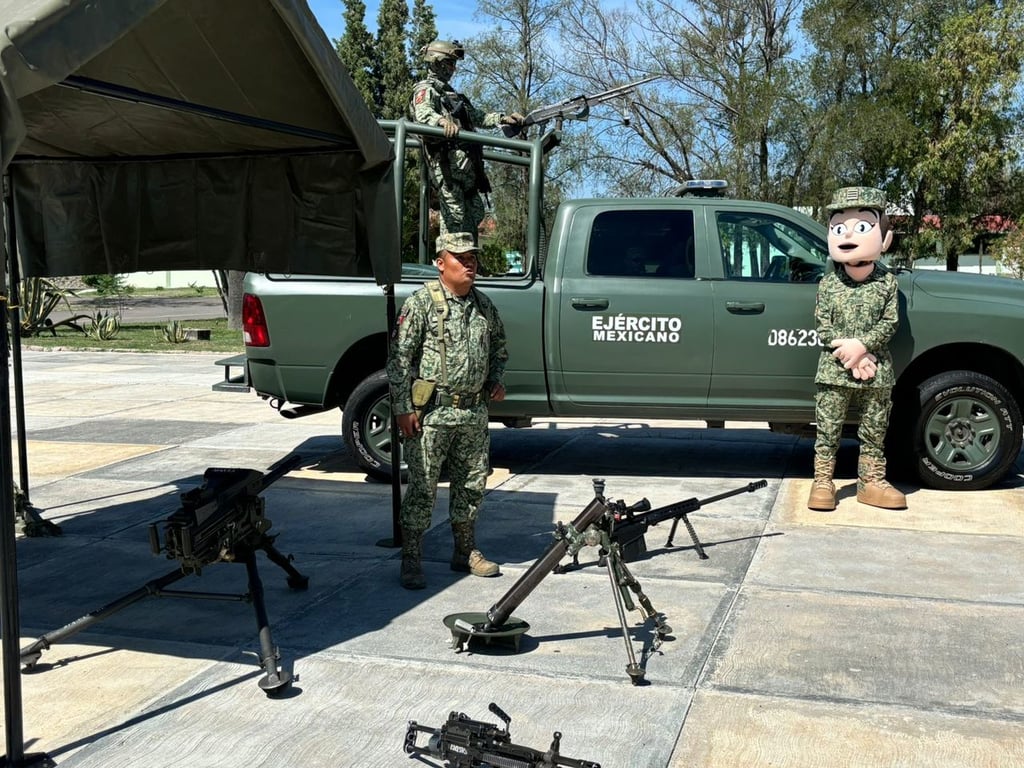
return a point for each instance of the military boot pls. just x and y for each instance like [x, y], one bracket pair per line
[411, 575]
[874, 489]
[823, 491]
[467, 558]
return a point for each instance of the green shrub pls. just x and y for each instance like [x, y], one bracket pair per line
[108, 285]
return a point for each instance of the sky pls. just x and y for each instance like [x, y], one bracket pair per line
[454, 17]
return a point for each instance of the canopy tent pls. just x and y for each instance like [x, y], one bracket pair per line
[177, 134]
[260, 155]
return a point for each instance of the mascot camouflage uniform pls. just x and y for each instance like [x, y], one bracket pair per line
[456, 168]
[856, 312]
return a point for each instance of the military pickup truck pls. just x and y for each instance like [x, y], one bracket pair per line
[693, 306]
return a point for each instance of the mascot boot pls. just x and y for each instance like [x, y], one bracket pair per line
[467, 558]
[874, 489]
[823, 491]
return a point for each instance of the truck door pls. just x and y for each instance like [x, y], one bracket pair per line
[766, 348]
[634, 323]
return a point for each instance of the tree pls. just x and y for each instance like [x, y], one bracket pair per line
[1009, 252]
[356, 51]
[917, 100]
[391, 60]
[423, 30]
[507, 69]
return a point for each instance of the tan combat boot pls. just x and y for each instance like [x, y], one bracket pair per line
[411, 576]
[467, 558]
[823, 491]
[874, 489]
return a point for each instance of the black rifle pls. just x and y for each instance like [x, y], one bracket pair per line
[221, 521]
[606, 525]
[628, 524]
[576, 108]
[465, 743]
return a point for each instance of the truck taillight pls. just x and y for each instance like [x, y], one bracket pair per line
[254, 322]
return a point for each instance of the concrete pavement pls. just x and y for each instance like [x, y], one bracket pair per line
[856, 638]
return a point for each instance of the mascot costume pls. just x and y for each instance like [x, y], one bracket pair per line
[856, 312]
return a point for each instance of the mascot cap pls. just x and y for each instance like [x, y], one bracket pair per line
[857, 197]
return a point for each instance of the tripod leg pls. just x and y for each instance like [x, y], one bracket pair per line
[634, 670]
[627, 579]
[30, 654]
[276, 680]
[295, 579]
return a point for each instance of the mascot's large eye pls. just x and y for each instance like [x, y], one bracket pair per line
[838, 229]
[863, 227]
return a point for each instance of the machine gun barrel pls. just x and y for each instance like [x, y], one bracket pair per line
[576, 108]
[499, 613]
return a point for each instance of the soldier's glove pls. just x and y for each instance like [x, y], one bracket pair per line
[450, 127]
[513, 119]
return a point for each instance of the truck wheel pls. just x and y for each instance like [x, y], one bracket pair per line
[366, 426]
[967, 431]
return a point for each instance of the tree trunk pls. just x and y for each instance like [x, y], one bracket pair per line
[229, 285]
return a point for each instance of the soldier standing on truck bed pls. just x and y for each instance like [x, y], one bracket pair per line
[456, 168]
[447, 361]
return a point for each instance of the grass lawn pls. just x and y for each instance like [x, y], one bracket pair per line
[143, 337]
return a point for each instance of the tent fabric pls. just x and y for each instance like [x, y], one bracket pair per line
[119, 184]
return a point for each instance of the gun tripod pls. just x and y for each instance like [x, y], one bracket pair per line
[617, 530]
[203, 532]
[275, 679]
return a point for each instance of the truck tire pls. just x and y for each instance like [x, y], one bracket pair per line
[967, 431]
[366, 426]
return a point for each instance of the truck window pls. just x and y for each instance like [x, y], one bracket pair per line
[656, 244]
[761, 247]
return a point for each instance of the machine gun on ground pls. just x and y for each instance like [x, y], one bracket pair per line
[576, 108]
[220, 521]
[595, 526]
[466, 743]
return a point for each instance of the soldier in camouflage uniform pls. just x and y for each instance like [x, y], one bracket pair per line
[456, 168]
[856, 312]
[450, 334]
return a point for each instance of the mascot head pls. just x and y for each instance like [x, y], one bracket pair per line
[858, 229]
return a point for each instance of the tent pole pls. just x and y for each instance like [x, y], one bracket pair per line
[389, 293]
[19, 380]
[31, 522]
[10, 614]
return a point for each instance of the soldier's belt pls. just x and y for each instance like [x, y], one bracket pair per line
[459, 399]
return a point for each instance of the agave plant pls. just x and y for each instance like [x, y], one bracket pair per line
[174, 332]
[104, 326]
[39, 298]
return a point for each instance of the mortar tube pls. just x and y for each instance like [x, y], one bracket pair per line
[499, 613]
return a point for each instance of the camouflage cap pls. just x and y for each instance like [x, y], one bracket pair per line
[456, 242]
[857, 197]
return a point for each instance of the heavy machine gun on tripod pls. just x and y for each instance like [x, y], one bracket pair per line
[610, 526]
[222, 520]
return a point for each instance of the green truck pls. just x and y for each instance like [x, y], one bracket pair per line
[693, 306]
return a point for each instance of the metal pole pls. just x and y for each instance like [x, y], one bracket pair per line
[10, 620]
[19, 382]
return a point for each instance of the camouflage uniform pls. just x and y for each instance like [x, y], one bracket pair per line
[452, 169]
[456, 435]
[867, 311]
